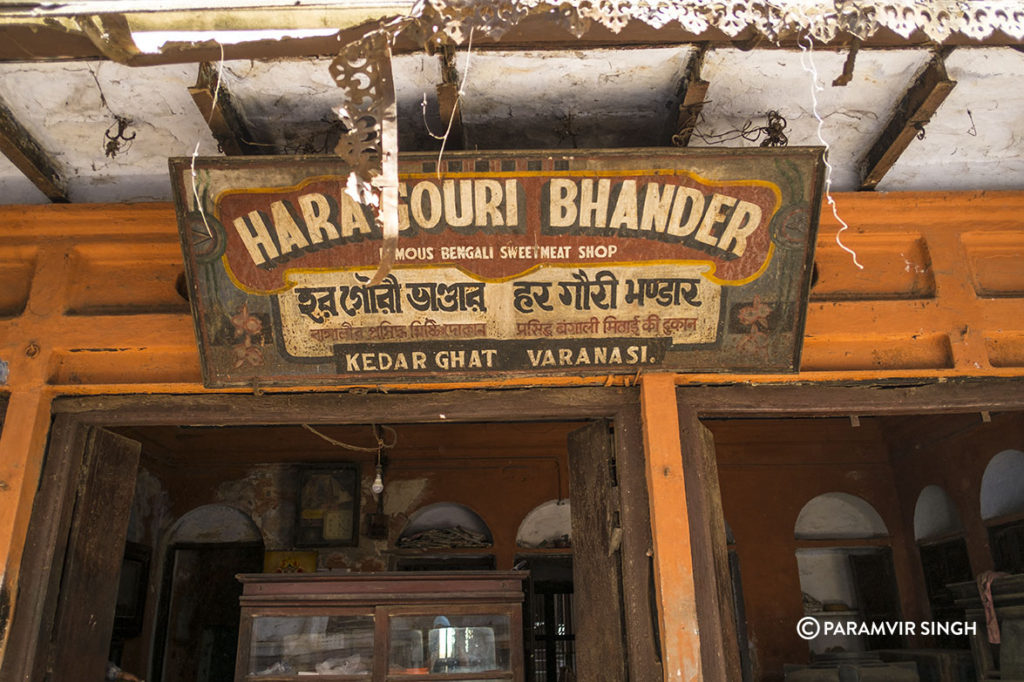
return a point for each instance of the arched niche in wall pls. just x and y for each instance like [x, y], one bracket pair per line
[839, 516]
[1002, 485]
[939, 533]
[214, 524]
[840, 580]
[444, 525]
[204, 550]
[935, 515]
[1002, 509]
[548, 525]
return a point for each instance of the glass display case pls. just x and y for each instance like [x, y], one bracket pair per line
[381, 627]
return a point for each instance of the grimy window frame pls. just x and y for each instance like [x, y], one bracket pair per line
[631, 421]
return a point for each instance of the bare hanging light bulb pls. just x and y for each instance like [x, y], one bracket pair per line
[378, 482]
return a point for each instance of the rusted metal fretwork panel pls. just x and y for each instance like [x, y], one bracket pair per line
[514, 264]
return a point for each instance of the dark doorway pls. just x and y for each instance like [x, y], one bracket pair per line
[944, 563]
[550, 635]
[1007, 543]
[201, 613]
[874, 581]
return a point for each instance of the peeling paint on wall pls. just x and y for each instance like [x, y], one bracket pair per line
[150, 514]
[401, 497]
[267, 495]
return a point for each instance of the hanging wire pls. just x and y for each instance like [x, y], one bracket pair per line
[458, 101]
[773, 131]
[809, 67]
[377, 434]
[115, 141]
[195, 153]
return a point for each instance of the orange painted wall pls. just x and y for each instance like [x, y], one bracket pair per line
[953, 455]
[88, 305]
[768, 471]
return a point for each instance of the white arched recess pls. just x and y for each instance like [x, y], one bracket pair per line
[826, 577]
[441, 516]
[549, 524]
[214, 524]
[1002, 485]
[839, 516]
[935, 515]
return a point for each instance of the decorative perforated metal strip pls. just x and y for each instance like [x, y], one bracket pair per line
[937, 19]
[370, 145]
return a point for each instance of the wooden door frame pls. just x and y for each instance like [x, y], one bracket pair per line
[620, 405]
[719, 656]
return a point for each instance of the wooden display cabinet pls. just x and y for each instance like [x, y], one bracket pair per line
[381, 627]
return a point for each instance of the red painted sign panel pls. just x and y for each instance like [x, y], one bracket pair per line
[507, 264]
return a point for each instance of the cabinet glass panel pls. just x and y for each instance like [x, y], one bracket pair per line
[450, 643]
[311, 645]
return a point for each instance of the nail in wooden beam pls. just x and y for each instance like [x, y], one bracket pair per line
[448, 100]
[225, 121]
[694, 92]
[920, 102]
[30, 158]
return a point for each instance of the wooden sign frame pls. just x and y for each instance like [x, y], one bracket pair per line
[509, 264]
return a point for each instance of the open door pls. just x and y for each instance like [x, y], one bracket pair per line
[597, 560]
[64, 616]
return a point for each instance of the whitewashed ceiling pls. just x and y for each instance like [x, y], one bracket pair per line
[594, 98]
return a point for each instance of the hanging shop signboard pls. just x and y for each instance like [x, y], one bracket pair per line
[507, 265]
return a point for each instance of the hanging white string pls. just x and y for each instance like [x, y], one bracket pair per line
[807, 61]
[195, 152]
[458, 100]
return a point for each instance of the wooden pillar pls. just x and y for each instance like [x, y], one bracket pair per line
[23, 444]
[670, 530]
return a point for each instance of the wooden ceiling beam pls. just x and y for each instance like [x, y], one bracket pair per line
[693, 92]
[226, 123]
[916, 108]
[31, 159]
[448, 100]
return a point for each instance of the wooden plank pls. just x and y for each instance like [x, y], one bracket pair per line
[44, 552]
[31, 159]
[871, 398]
[920, 102]
[637, 567]
[217, 106]
[22, 454]
[670, 530]
[719, 648]
[876, 399]
[111, 35]
[694, 92]
[596, 538]
[352, 408]
[448, 101]
[85, 610]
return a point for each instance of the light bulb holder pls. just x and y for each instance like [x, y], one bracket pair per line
[378, 481]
